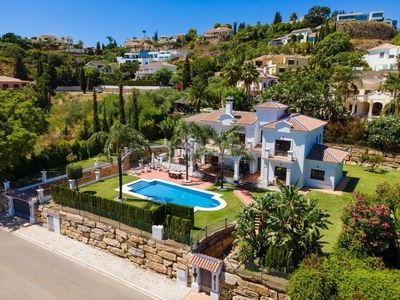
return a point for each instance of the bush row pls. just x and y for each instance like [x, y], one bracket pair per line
[179, 222]
[132, 83]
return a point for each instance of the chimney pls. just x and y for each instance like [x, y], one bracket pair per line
[229, 105]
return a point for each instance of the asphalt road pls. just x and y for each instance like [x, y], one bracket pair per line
[29, 271]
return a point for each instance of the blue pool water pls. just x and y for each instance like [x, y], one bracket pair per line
[169, 193]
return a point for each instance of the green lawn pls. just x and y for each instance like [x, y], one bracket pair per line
[106, 189]
[361, 180]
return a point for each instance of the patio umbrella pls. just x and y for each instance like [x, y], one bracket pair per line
[153, 161]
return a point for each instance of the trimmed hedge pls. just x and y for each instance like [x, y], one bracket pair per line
[183, 216]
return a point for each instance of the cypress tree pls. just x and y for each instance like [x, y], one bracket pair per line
[135, 111]
[105, 123]
[111, 123]
[122, 118]
[20, 70]
[96, 123]
[39, 68]
[82, 80]
[186, 79]
[51, 70]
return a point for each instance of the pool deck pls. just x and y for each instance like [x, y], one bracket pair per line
[163, 175]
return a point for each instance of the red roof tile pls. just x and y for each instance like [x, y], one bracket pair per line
[327, 154]
[271, 104]
[241, 117]
[299, 122]
[205, 262]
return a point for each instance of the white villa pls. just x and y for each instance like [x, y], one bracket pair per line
[145, 57]
[151, 68]
[382, 57]
[265, 80]
[285, 147]
[304, 33]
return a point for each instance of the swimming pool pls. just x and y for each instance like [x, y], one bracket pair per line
[165, 192]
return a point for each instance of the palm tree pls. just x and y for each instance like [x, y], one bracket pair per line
[198, 95]
[346, 80]
[231, 73]
[185, 134]
[227, 141]
[392, 84]
[119, 136]
[249, 75]
[289, 228]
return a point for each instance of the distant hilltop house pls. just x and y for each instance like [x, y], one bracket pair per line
[103, 68]
[383, 57]
[135, 44]
[303, 35]
[151, 68]
[145, 57]
[12, 83]
[64, 42]
[279, 63]
[372, 16]
[218, 32]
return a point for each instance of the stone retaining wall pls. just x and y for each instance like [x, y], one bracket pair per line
[143, 252]
[392, 160]
[3, 203]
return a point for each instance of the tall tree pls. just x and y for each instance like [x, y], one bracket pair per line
[234, 28]
[228, 143]
[232, 73]
[186, 78]
[96, 122]
[98, 49]
[345, 80]
[39, 68]
[249, 75]
[122, 118]
[317, 15]
[198, 95]
[293, 17]
[20, 71]
[184, 134]
[105, 126]
[277, 18]
[120, 136]
[135, 109]
[392, 84]
[82, 80]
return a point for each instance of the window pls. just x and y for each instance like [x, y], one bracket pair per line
[317, 174]
[5, 85]
[282, 70]
[261, 135]
[381, 54]
[291, 62]
[282, 147]
[391, 56]
[242, 137]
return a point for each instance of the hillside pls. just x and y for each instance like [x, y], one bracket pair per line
[367, 30]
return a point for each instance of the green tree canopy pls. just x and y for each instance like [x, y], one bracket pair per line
[317, 15]
[21, 123]
[163, 76]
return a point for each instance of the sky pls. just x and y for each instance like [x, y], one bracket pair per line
[91, 21]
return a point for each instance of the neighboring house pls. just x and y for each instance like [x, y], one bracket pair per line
[220, 31]
[265, 81]
[12, 83]
[101, 67]
[64, 42]
[284, 147]
[372, 16]
[135, 44]
[304, 33]
[279, 63]
[311, 37]
[382, 57]
[280, 41]
[151, 68]
[145, 57]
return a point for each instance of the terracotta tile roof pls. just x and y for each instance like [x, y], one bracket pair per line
[268, 56]
[11, 79]
[327, 154]
[271, 104]
[257, 148]
[205, 262]
[241, 117]
[299, 122]
[383, 46]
